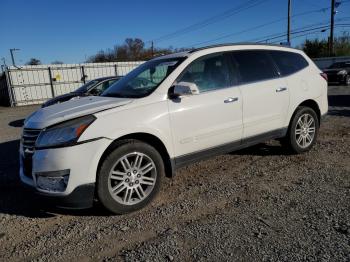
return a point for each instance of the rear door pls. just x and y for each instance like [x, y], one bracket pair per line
[265, 95]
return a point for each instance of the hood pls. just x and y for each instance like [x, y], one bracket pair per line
[57, 113]
[61, 98]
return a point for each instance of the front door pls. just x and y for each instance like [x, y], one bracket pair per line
[211, 118]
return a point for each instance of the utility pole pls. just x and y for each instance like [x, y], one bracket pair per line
[3, 64]
[331, 36]
[152, 49]
[289, 16]
[12, 57]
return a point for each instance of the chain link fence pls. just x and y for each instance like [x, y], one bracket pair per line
[30, 85]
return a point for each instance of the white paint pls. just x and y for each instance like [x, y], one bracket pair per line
[194, 123]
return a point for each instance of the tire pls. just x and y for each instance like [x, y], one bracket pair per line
[129, 177]
[347, 80]
[300, 138]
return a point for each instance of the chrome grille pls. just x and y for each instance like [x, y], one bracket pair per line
[29, 138]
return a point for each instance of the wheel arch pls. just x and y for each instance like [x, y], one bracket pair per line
[314, 105]
[148, 139]
[308, 103]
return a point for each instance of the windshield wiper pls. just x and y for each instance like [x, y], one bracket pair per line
[115, 95]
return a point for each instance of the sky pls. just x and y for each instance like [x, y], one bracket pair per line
[71, 31]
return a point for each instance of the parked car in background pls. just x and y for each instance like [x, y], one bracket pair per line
[167, 113]
[92, 88]
[339, 73]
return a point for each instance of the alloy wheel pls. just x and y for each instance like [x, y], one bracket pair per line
[305, 130]
[132, 178]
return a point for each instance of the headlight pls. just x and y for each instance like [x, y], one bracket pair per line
[66, 133]
[342, 72]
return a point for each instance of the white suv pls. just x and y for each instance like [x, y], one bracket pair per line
[169, 112]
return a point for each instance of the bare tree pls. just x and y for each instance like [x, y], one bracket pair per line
[133, 49]
[57, 62]
[34, 61]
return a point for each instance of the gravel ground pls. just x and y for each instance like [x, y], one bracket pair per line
[256, 204]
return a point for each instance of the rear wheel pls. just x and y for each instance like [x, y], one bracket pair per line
[129, 177]
[303, 130]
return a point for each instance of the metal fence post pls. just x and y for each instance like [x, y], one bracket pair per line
[51, 82]
[83, 74]
[116, 69]
[9, 87]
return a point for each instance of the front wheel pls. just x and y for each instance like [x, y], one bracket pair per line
[129, 177]
[303, 130]
[347, 80]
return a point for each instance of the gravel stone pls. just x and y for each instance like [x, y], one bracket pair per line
[259, 203]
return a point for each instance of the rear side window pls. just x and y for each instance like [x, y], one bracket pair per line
[254, 66]
[288, 62]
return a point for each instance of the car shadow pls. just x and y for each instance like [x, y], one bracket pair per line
[339, 105]
[339, 100]
[339, 112]
[17, 123]
[17, 199]
[263, 149]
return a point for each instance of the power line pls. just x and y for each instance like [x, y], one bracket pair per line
[275, 35]
[258, 27]
[294, 32]
[302, 31]
[309, 33]
[300, 28]
[211, 20]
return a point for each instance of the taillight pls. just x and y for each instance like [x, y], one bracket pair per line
[324, 75]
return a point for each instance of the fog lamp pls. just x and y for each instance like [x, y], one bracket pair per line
[54, 181]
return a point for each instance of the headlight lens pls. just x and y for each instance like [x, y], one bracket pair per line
[342, 72]
[66, 133]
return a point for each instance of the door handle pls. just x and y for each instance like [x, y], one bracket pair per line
[231, 100]
[281, 89]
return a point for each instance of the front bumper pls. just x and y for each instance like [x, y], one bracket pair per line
[82, 162]
[82, 197]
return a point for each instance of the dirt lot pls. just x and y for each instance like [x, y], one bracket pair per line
[255, 204]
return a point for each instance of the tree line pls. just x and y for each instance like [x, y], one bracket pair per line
[319, 48]
[134, 49]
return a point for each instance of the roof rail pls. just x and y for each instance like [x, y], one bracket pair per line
[234, 44]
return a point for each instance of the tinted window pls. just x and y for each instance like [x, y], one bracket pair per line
[254, 66]
[87, 86]
[208, 73]
[288, 62]
[100, 88]
[144, 79]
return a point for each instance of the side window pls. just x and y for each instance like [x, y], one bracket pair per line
[157, 74]
[111, 82]
[97, 90]
[288, 62]
[208, 73]
[254, 66]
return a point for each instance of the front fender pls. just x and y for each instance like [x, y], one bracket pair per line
[152, 119]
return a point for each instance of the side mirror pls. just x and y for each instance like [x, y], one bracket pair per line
[183, 89]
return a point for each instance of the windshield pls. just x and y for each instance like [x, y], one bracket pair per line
[340, 65]
[143, 80]
[86, 87]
